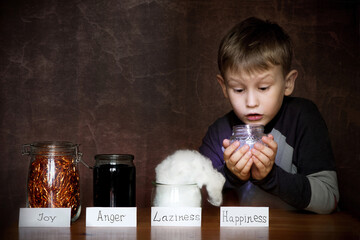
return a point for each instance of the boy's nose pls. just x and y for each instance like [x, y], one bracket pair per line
[251, 100]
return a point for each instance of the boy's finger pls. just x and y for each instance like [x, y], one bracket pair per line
[270, 136]
[260, 156]
[270, 142]
[246, 164]
[259, 165]
[239, 166]
[260, 151]
[226, 143]
[231, 148]
[239, 153]
[229, 153]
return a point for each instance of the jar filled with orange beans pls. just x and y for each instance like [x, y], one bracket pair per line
[53, 178]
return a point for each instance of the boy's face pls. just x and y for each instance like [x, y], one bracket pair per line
[256, 97]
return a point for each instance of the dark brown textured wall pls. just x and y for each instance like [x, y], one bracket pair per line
[138, 76]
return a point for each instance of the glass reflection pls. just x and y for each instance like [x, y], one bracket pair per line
[107, 233]
[244, 233]
[29, 233]
[174, 233]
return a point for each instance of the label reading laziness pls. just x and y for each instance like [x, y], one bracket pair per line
[178, 216]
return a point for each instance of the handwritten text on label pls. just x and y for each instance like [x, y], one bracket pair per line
[44, 217]
[180, 216]
[111, 217]
[244, 216]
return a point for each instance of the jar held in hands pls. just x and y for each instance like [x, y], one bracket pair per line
[247, 134]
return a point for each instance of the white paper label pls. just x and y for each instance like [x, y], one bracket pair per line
[244, 217]
[178, 216]
[45, 217]
[111, 217]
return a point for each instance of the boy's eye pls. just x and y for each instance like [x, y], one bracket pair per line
[263, 88]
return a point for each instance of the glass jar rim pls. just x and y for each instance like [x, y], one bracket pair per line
[173, 184]
[53, 144]
[114, 159]
[99, 157]
[248, 126]
[51, 148]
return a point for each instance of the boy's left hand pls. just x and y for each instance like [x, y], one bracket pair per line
[263, 157]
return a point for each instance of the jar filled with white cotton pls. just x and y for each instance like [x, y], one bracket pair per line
[180, 178]
[176, 195]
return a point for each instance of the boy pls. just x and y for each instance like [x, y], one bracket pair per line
[295, 167]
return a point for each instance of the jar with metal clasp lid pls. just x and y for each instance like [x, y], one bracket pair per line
[53, 177]
[247, 134]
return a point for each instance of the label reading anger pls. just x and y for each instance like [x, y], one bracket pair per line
[111, 217]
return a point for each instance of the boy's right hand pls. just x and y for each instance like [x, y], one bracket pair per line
[238, 161]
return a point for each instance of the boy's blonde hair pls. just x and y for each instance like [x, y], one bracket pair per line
[253, 45]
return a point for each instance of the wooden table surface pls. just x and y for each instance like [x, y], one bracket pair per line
[283, 225]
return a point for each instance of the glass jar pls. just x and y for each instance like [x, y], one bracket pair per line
[114, 180]
[176, 195]
[247, 134]
[53, 178]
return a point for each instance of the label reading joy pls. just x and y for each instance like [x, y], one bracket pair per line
[111, 217]
[45, 217]
[244, 217]
[178, 216]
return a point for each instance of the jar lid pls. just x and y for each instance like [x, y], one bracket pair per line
[51, 147]
[53, 144]
[114, 158]
[249, 126]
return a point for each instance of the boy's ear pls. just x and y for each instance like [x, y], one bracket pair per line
[222, 83]
[290, 82]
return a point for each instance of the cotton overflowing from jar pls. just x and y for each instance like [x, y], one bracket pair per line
[180, 177]
[53, 177]
[247, 134]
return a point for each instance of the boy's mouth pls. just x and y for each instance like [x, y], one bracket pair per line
[254, 117]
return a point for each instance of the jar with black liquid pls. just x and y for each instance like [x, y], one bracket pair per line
[247, 134]
[114, 180]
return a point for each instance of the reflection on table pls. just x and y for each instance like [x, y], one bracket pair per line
[283, 225]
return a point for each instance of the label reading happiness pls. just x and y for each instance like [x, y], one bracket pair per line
[178, 216]
[111, 217]
[244, 217]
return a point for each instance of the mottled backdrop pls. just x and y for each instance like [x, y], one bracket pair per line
[138, 76]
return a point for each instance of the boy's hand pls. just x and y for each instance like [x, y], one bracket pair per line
[263, 157]
[238, 161]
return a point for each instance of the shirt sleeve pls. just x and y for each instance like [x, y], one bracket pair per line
[313, 186]
[212, 148]
[293, 189]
